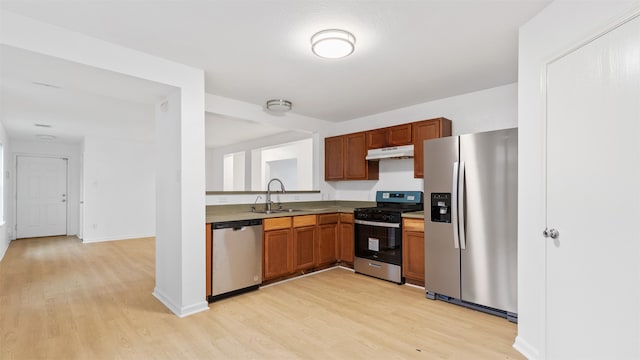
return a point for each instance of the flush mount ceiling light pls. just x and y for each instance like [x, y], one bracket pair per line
[333, 43]
[278, 105]
[45, 84]
[45, 137]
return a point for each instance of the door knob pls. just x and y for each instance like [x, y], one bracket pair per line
[552, 233]
[63, 200]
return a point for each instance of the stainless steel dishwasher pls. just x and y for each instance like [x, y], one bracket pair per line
[236, 257]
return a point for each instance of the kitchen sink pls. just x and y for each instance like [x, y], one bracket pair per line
[276, 211]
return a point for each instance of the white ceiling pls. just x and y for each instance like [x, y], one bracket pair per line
[407, 52]
[73, 99]
[223, 130]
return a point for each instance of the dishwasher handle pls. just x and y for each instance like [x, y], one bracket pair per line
[236, 225]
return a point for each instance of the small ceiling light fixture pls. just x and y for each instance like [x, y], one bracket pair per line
[278, 105]
[45, 137]
[333, 43]
[46, 84]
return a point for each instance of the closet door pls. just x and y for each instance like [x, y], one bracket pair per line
[593, 199]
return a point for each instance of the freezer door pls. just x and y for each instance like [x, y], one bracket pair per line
[442, 258]
[489, 261]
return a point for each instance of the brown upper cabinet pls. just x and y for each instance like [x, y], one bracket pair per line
[425, 130]
[345, 158]
[390, 136]
[344, 155]
[334, 156]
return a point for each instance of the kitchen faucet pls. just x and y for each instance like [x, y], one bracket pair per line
[268, 199]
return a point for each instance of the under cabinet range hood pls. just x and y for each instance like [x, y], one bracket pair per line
[396, 152]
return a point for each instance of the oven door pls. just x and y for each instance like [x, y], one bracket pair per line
[378, 241]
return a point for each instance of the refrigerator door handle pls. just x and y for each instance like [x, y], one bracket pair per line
[461, 209]
[454, 205]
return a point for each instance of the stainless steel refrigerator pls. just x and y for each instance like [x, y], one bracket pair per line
[471, 222]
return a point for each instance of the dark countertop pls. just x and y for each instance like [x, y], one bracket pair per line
[414, 215]
[221, 213]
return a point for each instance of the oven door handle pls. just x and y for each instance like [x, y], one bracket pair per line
[376, 223]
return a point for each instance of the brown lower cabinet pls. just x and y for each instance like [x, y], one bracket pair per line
[296, 244]
[327, 239]
[346, 242]
[277, 242]
[304, 241]
[413, 251]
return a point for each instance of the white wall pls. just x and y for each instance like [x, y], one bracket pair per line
[559, 27]
[485, 110]
[215, 156]
[301, 151]
[51, 149]
[119, 188]
[5, 227]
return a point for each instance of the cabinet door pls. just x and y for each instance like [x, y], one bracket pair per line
[355, 151]
[356, 167]
[304, 239]
[277, 253]
[399, 135]
[327, 244]
[334, 158]
[425, 130]
[413, 257]
[346, 239]
[413, 251]
[377, 139]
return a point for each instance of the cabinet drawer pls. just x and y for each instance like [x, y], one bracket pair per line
[328, 219]
[346, 218]
[304, 220]
[413, 225]
[276, 223]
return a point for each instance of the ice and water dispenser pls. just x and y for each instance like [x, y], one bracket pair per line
[441, 207]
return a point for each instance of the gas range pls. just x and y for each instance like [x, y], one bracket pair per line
[378, 234]
[390, 206]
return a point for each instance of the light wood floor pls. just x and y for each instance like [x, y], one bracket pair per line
[61, 299]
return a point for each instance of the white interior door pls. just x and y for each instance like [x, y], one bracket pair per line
[593, 199]
[41, 191]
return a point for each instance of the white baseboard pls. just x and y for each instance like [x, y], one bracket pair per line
[3, 250]
[87, 240]
[526, 349]
[180, 311]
